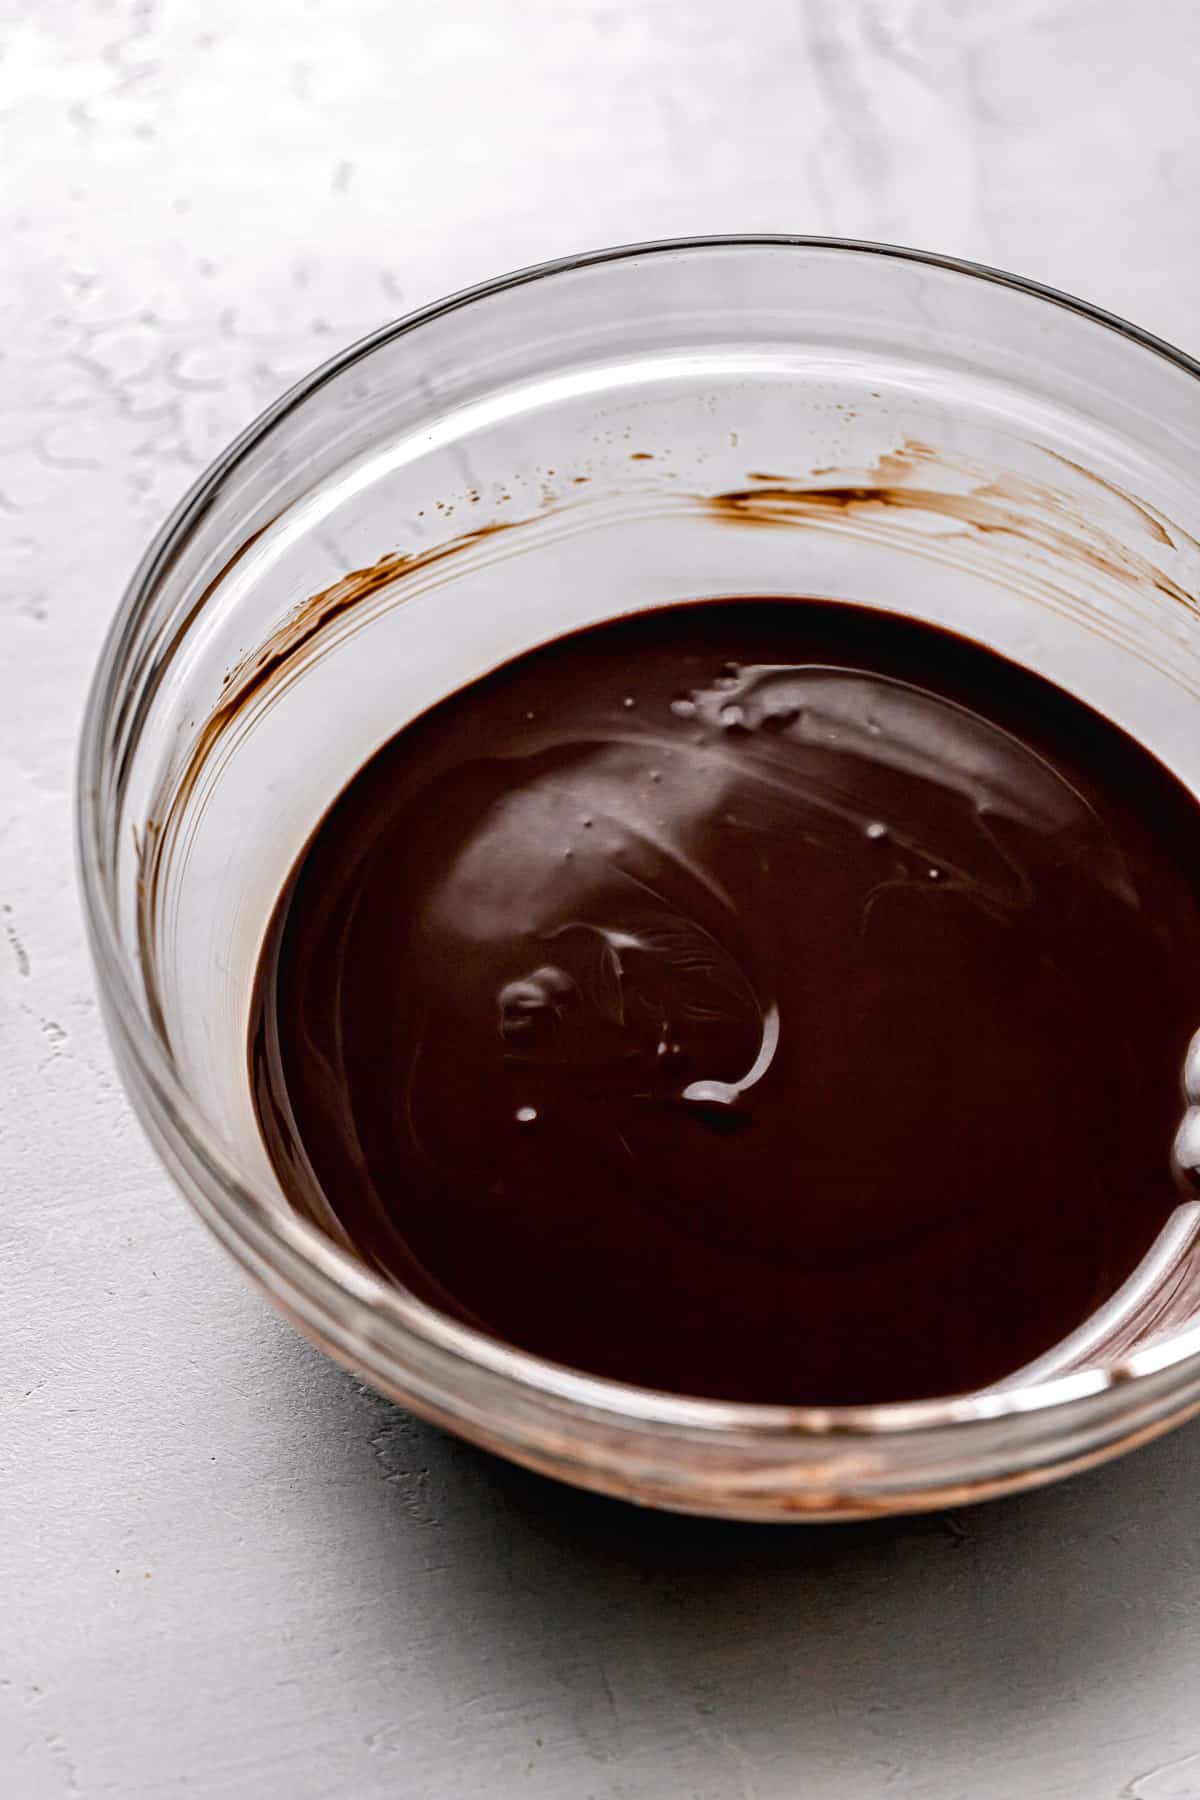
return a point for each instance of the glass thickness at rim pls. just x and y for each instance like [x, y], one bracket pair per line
[313, 1266]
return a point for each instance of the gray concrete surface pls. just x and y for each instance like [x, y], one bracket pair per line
[225, 1569]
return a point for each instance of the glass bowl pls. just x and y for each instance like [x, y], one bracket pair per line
[721, 417]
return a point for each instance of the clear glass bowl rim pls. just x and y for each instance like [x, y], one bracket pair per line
[332, 1281]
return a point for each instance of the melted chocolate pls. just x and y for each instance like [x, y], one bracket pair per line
[766, 1000]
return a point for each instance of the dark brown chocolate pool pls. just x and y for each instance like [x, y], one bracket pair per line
[765, 1000]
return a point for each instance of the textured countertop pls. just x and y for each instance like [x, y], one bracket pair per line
[225, 1568]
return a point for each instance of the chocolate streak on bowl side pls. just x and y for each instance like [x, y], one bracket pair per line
[251, 681]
